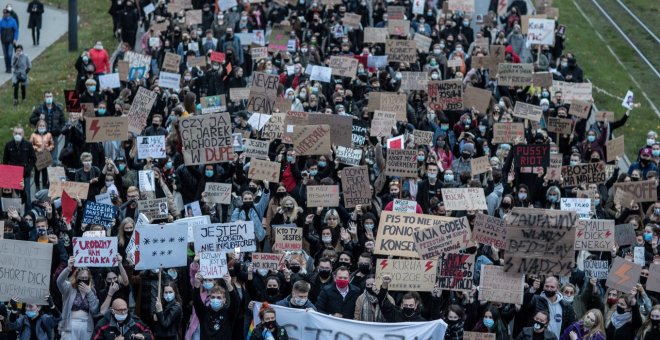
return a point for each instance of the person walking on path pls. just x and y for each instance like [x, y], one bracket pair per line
[21, 65]
[8, 37]
[36, 10]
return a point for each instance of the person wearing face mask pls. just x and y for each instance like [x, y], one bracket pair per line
[21, 66]
[538, 330]
[99, 56]
[168, 314]
[79, 302]
[363, 270]
[429, 187]
[552, 302]
[408, 311]
[42, 141]
[644, 164]
[89, 173]
[91, 93]
[233, 42]
[339, 299]
[53, 114]
[625, 320]
[253, 212]
[20, 152]
[216, 316]
[463, 164]
[288, 212]
[367, 307]
[298, 299]
[37, 322]
[268, 328]
[553, 198]
[121, 323]
[127, 24]
[590, 327]
[650, 330]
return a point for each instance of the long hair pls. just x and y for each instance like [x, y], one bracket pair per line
[172, 285]
[121, 236]
[646, 326]
[296, 210]
[74, 277]
[598, 327]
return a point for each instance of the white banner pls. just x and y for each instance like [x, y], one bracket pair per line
[324, 327]
[159, 246]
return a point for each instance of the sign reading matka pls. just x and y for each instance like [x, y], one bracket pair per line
[213, 264]
[151, 147]
[225, 236]
[29, 263]
[396, 230]
[99, 214]
[207, 139]
[596, 235]
[95, 251]
[464, 199]
[442, 237]
[101, 129]
[456, 272]
[407, 275]
[497, 285]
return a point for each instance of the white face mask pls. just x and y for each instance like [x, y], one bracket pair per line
[87, 164]
[18, 138]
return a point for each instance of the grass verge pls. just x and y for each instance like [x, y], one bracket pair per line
[53, 69]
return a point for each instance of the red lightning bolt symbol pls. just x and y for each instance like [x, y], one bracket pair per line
[429, 265]
[383, 264]
[94, 127]
[77, 252]
[608, 233]
[110, 252]
[579, 233]
[621, 272]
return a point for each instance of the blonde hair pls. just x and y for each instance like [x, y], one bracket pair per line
[74, 278]
[332, 213]
[121, 237]
[295, 212]
[646, 326]
[598, 325]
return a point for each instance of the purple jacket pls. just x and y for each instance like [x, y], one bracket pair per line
[578, 328]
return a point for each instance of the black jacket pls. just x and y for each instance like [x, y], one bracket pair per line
[108, 329]
[36, 9]
[394, 314]
[216, 325]
[533, 303]
[279, 333]
[20, 154]
[169, 321]
[528, 334]
[330, 301]
[628, 330]
[54, 118]
[423, 195]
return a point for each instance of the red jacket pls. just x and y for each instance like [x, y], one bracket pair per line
[101, 60]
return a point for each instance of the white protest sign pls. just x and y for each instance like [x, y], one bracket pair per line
[582, 206]
[146, 180]
[103, 198]
[321, 73]
[541, 31]
[225, 236]
[404, 206]
[218, 192]
[258, 120]
[191, 222]
[151, 147]
[213, 264]
[161, 246]
[109, 81]
[169, 80]
[95, 252]
[26, 267]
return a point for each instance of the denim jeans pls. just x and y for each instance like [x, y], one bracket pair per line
[8, 53]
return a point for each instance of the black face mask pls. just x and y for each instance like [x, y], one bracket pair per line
[642, 279]
[407, 311]
[248, 205]
[364, 268]
[272, 291]
[549, 293]
[452, 322]
[269, 324]
[295, 269]
[280, 194]
[620, 310]
[324, 274]
[504, 205]
[84, 281]
[253, 190]
[655, 323]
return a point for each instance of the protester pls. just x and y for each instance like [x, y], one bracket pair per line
[268, 328]
[36, 10]
[8, 37]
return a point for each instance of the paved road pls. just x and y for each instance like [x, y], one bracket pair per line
[54, 25]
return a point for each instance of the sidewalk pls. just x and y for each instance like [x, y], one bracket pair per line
[53, 25]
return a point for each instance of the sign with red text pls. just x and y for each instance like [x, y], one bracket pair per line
[464, 199]
[442, 237]
[407, 275]
[207, 139]
[213, 264]
[456, 272]
[95, 251]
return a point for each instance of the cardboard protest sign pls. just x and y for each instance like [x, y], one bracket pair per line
[401, 50]
[375, 35]
[140, 107]
[623, 275]
[263, 92]
[442, 237]
[623, 198]
[348, 156]
[312, 140]
[382, 123]
[489, 230]
[151, 147]
[343, 66]
[532, 155]
[540, 241]
[477, 98]
[99, 214]
[416, 81]
[624, 235]
[160, 246]
[207, 139]
[172, 62]
[639, 256]
[542, 79]
[461, 5]
[154, 209]
[8, 203]
[138, 60]
[101, 129]
[596, 235]
[598, 269]
[422, 137]
[479, 336]
[514, 74]
[31, 263]
[258, 120]
[423, 42]
[322, 196]
[12, 176]
[274, 127]
[72, 100]
[479, 165]
[581, 206]
[527, 111]
[292, 119]
[321, 73]
[264, 170]
[193, 17]
[213, 264]
[445, 95]
[464, 199]
[615, 148]
[406, 206]
[44, 159]
[95, 252]
[573, 91]
[584, 174]
[340, 126]
[508, 132]
[560, 125]
[456, 272]
[287, 238]
[399, 28]
[396, 230]
[359, 132]
[553, 170]
[499, 286]
[541, 31]
[74, 189]
[396, 12]
[355, 186]
[255, 148]
[401, 162]
[653, 282]
[225, 236]
[407, 275]
[103, 198]
[218, 193]
[580, 109]
[267, 260]
[642, 191]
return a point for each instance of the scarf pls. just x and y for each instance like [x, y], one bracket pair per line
[618, 320]
[371, 309]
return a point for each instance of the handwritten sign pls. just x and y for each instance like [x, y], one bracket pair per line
[527, 111]
[542, 79]
[355, 186]
[287, 238]
[219, 193]
[597, 269]
[479, 165]
[479, 336]
[514, 74]
[401, 162]
[263, 92]
[382, 123]
[464, 199]
[312, 140]
[541, 31]
[489, 230]
[74, 189]
[560, 125]
[396, 230]
[99, 214]
[499, 286]
[154, 209]
[172, 62]
[624, 235]
[443, 237]
[103, 129]
[30, 263]
[255, 148]
[404, 51]
[207, 139]
[343, 66]
[375, 35]
[653, 282]
[615, 148]
[416, 81]
[140, 107]
[348, 156]
[225, 236]
[407, 275]
[581, 206]
[508, 132]
[322, 196]
[580, 109]
[461, 5]
[642, 191]
[583, 174]
[533, 155]
[267, 260]
[405, 206]
[596, 235]
[624, 275]
[151, 147]
[264, 170]
[456, 272]
[445, 95]
[477, 98]
[573, 91]
[399, 28]
[95, 251]
[213, 264]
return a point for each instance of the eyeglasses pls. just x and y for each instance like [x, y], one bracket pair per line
[332, 218]
[121, 311]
